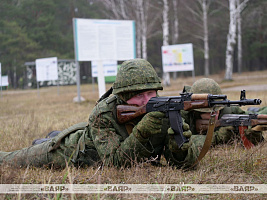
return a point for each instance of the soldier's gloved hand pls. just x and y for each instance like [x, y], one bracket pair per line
[223, 135]
[150, 124]
[253, 136]
[187, 134]
[250, 131]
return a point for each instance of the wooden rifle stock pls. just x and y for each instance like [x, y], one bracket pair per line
[190, 105]
[127, 113]
[261, 120]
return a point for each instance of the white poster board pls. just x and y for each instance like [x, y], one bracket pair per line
[0, 75]
[177, 57]
[101, 78]
[0, 81]
[46, 69]
[4, 81]
[96, 39]
[110, 68]
[100, 40]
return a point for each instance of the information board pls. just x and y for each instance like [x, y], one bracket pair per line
[104, 39]
[46, 69]
[4, 80]
[0, 76]
[110, 68]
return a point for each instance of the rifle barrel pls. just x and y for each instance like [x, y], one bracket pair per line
[239, 102]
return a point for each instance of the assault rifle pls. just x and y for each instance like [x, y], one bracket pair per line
[172, 106]
[238, 121]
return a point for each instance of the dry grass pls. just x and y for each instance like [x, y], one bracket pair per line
[25, 116]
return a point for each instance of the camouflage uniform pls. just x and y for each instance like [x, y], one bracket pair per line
[262, 110]
[221, 134]
[102, 139]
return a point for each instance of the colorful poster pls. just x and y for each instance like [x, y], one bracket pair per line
[177, 57]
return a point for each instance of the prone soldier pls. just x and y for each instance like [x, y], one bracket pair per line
[221, 135]
[103, 140]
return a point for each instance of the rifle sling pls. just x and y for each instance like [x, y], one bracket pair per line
[208, 140]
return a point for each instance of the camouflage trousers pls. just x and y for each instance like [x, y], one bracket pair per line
[37, 155]
[70, 146]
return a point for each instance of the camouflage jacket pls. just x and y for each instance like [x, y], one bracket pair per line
[118, 147]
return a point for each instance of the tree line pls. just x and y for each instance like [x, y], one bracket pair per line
[227, 36]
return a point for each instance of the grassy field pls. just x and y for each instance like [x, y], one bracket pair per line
[25, 116]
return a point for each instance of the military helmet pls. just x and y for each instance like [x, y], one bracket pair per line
[136, 75]
[206, 86]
